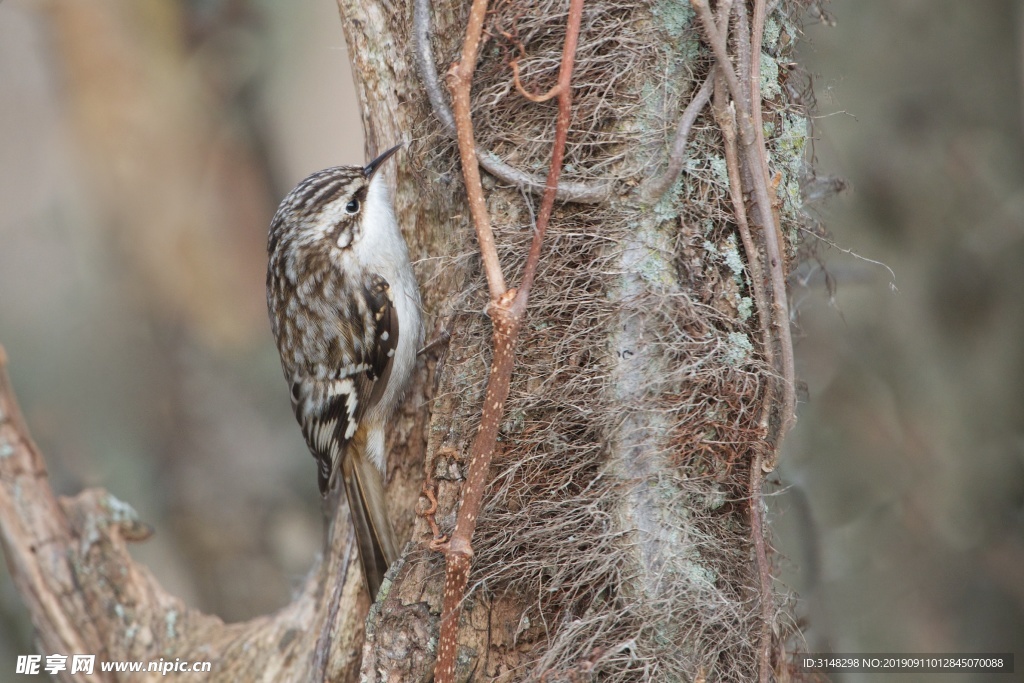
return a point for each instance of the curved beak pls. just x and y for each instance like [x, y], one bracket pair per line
[374, 165]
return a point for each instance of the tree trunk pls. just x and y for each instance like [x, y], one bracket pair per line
[616, 539]
[620, 535]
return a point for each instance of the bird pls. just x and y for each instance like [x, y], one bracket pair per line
[345, 313]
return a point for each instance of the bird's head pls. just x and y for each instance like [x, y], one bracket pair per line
[337, 205]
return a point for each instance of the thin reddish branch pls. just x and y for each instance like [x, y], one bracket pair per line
[459, 550]
[553, 92]
[558, 151]
[427, 491]
[460, 81]
[506, 310]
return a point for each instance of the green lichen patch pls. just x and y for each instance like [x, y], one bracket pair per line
[770, 86]
[738, 348]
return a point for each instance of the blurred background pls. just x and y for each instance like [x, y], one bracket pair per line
[902, 524]
[144, 146]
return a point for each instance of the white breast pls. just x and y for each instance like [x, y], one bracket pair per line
[381, 249]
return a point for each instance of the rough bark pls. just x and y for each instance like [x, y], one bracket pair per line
[680, 417]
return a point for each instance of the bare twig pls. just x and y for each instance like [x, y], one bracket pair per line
[764, 573]
[741, 39]
[746, 96]
[755, 156]
[726, 118]
[550, 94]
[459, 551]
[460, 80]
[547, 204]
[594, 192]
[506, 309]
[756, 37]
[717, 39]
[653, 189]
[724, 12]
[428, 491]
[772, 237]
[421, 26]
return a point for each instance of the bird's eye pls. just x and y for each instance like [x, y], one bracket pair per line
[352, 207]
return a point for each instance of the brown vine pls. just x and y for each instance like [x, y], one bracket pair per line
[506, 309]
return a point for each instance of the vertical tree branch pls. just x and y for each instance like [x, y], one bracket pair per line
[459, 550]
[746, 94]
[755, 155]
[564, 88]
[788, 364]
[764, 574]
[756, 39]
[726, 117]
[506, 310]
[460, 81]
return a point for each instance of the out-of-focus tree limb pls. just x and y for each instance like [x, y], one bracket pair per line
[68, 558]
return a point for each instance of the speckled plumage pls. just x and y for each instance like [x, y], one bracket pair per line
[344, 310]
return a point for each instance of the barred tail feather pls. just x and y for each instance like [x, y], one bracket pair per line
[364, 486]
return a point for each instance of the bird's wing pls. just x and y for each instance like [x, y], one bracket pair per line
[329, 405]
[385, 339]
